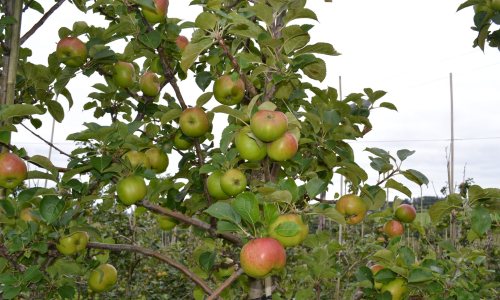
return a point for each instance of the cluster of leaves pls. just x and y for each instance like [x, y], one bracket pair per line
[483, 20]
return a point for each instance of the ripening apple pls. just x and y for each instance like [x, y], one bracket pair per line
[154, 66]
[221, 273]
[397, 288]
[264, 257]
[289, 241]
[214, 188]
[181, 143]
[268, 126]
[405, 213]
[13, 170]
[283, 148]
[26, 216]
[182, 42]
[157, 15]
[125, 74]
[194, 122]
[248, 147]
[233, 182]
[393, 228]
[227, 92]
[381, 239]
[72, 47]
[149, 84]
[136, 158]
[375, 269]
[166, 223]
[158, 159]
[73, 243]
[108, 279]
[131, 189]
[353, 208]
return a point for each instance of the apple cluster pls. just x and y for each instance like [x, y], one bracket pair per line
[404, 213]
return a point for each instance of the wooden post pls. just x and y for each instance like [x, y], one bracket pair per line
[337, 288]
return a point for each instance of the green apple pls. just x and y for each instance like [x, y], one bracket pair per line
[246, 119]
[495, 4]
[221, 273]
[289, 241]
[248, 147]
[228, 92]
[158, 159]
[268, 126]
[166, 223]
[214, 186]
[154, 66]
[125, 74]
[194, 122]
[181, 143]
[136, 158]
[149, 84]
[26, 216]
[264, 257]
[353, 208]
[405, 213]
[131, 189]
[393, 228]
[182, 42]
[283, 148]
[375, 269]
[73, 49]
[73, 243]
[13, 170]
[102, 282]
[397, 288]
[233, 182]
[157, 15]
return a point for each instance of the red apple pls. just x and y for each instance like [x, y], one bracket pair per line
[157, 15]
[375, 269]
[283, 148]
[264, 257]
[405, 213]
[72, 47]
[194, 122]
[149, 84]
[182, 42]
[393, 228]
[13, 170]
[353, 208]
[228, 92]
[233, 182]
[268, 126]
[125, 74]
[248, 147]
[289, 241]
[381, 239]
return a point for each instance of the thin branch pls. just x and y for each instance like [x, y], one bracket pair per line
[229, 6]
[27, 158]
[146, 252]
[47, 142]
[35, 27]
[195, 222]
[4, 251]
[226, 284]
[27, 5]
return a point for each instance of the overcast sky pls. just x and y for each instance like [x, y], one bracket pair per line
[405, 48]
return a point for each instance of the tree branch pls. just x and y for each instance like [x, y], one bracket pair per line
[226, 284]
[146, 252]
[195, 222]
[27, 158]
[4, 251]
[47, 142]
[35, 27]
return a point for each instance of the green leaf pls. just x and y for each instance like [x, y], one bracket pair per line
[420, 275]
[388, 105]
[319, 48]
[45, 163]
[263, 12]
[421, 177]
[288, 228]
[408, 255]
[32, 274]
[203, 99]
[364, 274]
[315, 186]
[316, 70]
[203, 80]
[481, 219]
[66, 292]
[385, 276]
[404, 154]
[206, 20]
[225, 226]
[100, 163]
[300, 13]
[192, 52]
[393, 184]
[56, 110]
[64, 78]
[41, 247]
[17, 110]
[271, 213]
[41, 175]
[51, 207]
[280, 196]
[448, 245]
[439, 210]
[224, 211]
[170, 115]
[470, 3]
[331, 213]
[8, 127]
[207, 260]
[8, 279]
[147, 3]
[228, 110]
[208, 169]
[247, 205]
[27, 195]
[68, 175]
[8, 208]
[152, 39]
[9, 292]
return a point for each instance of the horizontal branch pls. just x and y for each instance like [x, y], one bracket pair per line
[195, 222]
[47, 142]
[146, 252]
[27, 158]
[226, 284]
[42, 20]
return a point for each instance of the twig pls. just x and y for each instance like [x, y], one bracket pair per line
[27, 158]
[42, 20]
[146, 252]
[226, 284]
[4, 251]
[47, 142]
[27, 5]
